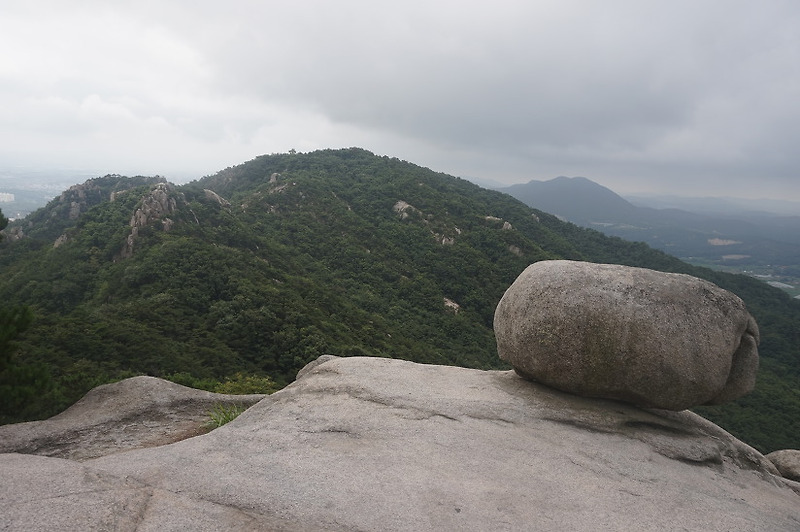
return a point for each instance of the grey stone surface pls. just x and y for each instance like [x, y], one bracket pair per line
[380, 444]
[47, 494]
[314, 363]
[653, 339]
[129, 414]
[787, 462]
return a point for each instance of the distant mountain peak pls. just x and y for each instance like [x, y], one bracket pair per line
[573, 178]
[574, 198]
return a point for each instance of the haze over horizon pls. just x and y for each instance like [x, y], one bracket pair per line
[678, 98]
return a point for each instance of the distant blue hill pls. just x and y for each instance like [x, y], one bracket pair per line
[576, 199]
[733, 238]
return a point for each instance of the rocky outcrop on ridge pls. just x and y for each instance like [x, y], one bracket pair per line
[79, 198]
[379, 444]
[155, 206]
[56, 220]
[659, 340]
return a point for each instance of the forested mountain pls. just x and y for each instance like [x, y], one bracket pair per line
[254, 271]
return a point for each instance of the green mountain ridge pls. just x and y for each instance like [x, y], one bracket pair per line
[266, 265]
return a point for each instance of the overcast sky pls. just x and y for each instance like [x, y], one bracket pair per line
[680, 97]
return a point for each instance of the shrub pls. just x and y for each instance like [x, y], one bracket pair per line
[222, 414]
[241, 384]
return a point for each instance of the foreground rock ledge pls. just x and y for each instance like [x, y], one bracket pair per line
[378, 444]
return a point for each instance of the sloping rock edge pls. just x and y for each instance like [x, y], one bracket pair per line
[130, 414]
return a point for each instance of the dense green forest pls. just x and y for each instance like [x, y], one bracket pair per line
[247, 275]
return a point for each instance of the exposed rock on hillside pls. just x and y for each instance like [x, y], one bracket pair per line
[654, 339]
[403, 209]
[155, 206]
[210, 194]
[61, 214]
[381, 444]
[80, 198]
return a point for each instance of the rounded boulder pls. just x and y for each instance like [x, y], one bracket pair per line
[658, 340]
[787, 462]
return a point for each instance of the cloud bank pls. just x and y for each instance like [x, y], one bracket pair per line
[674, 97]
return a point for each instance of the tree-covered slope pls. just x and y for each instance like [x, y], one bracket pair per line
[267, 265]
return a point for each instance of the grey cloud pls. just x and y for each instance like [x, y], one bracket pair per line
[642, 94]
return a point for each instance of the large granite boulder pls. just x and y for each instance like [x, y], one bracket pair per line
[787, 461]
[378, 444]
[654, 339]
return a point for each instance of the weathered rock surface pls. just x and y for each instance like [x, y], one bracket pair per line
[210, 194]
[379, 444]
[155, 206]
[787, 462]
[130, 414]
[654, 339]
